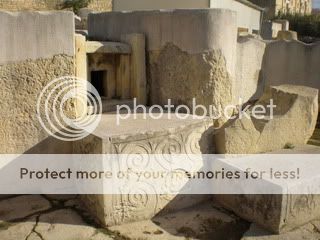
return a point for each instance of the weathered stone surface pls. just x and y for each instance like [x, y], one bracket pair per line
[16, 208]
[66, 224]
[310, 231]
[203, 29]
[34, 35]
[193, 60]
[19, 231]
[143, 136]
[277, 213]
[182, 77]
[294, 120]
[249, 77]
[200, 222]
[292, 62]
[20, 86]
[287, 35]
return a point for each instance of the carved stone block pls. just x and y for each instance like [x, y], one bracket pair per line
[145, 137]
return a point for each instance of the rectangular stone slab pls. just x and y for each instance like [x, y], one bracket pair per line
[279, 213]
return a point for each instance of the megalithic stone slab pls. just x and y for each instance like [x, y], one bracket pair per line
[278, 213]
[291, 123]
[143, 136]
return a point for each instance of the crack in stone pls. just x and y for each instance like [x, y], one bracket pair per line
[33, 230]
[60, 206]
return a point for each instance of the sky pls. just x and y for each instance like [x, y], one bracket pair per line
[316, 3]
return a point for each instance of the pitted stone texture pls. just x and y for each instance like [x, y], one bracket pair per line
[275, 212]
[310, 231]
[19, 231]
[20, 86]
[294, 120]
[16, 208]
[249, 75]
[200, 222]
[143, 136]
[33, 35]
[65, 225]
[182, 77]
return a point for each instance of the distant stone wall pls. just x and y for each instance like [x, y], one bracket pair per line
[293, 63]
[41, 5]
[35, 49]
[261, 64]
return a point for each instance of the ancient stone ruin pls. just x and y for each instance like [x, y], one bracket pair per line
[154, 56]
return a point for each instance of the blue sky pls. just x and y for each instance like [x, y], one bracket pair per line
[316, 3]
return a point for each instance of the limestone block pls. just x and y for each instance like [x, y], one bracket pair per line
[270, 29]
[143, 136]
[292, 62]
[293, 122]
[287, 35]
[250, 53]
[137, 66]
[20, 37]
[183, 77]
[183, 61]
[281, 212]
[285, 24]
[35, 49]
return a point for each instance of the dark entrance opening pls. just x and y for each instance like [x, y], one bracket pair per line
[98, 81]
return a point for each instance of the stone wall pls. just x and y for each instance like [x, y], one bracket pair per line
[261, 64]
[293, 63]
[249, 78]
[202, 59]
[190, 53]
[35, 49]
[18, 5]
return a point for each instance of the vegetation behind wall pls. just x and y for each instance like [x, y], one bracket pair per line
[304, 25]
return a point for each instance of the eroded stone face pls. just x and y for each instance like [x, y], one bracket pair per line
[293, 123]
[182, 77]
[20, 86]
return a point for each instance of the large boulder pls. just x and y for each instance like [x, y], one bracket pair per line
[291, 122]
